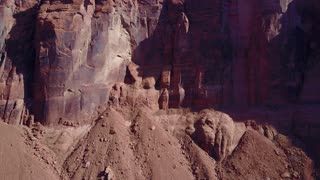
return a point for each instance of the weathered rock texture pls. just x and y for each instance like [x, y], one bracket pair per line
[66, 61]
[17, 52]
[61, 58]
[226, 53]
[82, 50]
[217, 134]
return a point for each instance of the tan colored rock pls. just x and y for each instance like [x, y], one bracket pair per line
[133, 76]
[149, 83]
[109, 173]
[217, 134]
[164, 99]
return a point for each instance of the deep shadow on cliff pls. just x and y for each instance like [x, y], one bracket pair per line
[298, 60]
[283, 108]
[190, 57]
[39, 88]
[20, 52]
[292, 61]
[189, 53]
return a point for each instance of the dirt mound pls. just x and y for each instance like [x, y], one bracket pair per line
[133, 139]
[17, 158]
[256, 157]
[138, 148]
[143, 144]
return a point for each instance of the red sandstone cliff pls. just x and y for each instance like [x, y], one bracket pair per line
[61, 58]
[64, 61]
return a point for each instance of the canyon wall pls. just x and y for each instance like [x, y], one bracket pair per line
[60, 58]
[71, 54]
[17, 54]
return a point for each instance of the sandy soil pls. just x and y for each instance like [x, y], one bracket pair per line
[17, 157]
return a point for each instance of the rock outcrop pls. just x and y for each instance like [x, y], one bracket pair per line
[217, 134]
[82, 50]
[62, 60]
[200, 54]
[150, 75]
[17, 27]
[70, 54]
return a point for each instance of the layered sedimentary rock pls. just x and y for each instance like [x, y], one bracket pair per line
[198, 54]
[83, 49]
[73, 70]
[195, 60]
[63, 60]
[70, 54]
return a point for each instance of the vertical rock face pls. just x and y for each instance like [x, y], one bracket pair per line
[193, 53]
[59, 59]
[17, 57]
[62, 41]
[224, 53]
[82, 50]
[280, 53]
[307, 61]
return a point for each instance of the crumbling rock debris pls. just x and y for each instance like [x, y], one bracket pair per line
[68, 123]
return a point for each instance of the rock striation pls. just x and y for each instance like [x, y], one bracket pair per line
[67, 61]
[17, 27]
[83, 48]
[63, 59]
